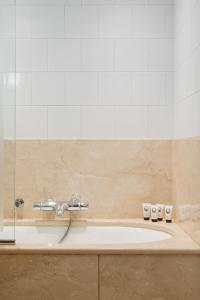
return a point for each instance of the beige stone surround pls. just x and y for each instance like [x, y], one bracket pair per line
[115, 176]
[99, 277]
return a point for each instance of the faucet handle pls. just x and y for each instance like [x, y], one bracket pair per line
[47, 205]
[75, 203]
[75, 197]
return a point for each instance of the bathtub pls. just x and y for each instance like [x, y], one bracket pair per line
[98, 235]
[99, 259]
[79, 235]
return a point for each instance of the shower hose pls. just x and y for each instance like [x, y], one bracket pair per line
[67, 229]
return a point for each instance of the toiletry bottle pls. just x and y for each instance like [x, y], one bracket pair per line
[168, 213]
[161, 208]
[154, 213]
[146, 211]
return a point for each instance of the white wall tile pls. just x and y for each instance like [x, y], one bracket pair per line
[23, 89]
[169, 21]
[183, 46]
[48, 21]
[98, 2]
[195, 25]
[161, 55]
[46, 2]
[8, 122]
[23, 21]
[64, 55]
[7, 20]
[48, 88]
[81, 21]
[196, 118]
[131, 55]
[170, 88]
[82, 88]
[97, 122]
[149, 21]
[187, 79]
[162, 2]
[160, 122]
[31, 55]
[7, 2]
[31, 122]
[7, 55]
[131, 2]
[7, 89]
[98, 55]
[131, 122]
[82, 55]
[150, 88]
[72, 2]
[63, 122]
[114, 88]
[184, 118]
[115, 21]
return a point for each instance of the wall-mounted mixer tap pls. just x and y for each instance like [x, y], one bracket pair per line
[74, 204]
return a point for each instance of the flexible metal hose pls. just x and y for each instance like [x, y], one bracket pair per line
[67, 230]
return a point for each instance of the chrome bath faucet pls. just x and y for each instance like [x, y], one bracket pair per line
[74, 204]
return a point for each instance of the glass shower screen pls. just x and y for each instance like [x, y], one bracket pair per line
[7, 120]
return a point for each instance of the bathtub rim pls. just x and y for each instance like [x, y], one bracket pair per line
[180, 242]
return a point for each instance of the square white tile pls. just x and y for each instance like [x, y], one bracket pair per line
[82, 21]
[48, 88]
[131, 122]
[149, 21]
[131, 55]
[31, 55]
[115, 21]
[48, 21]
[98, 55]
[161, 54]
[115, 88]
[97, 122]
[64, 55]
[160, 122]
[31, 122]
[64, 122]
[81, 88]
[150, 88]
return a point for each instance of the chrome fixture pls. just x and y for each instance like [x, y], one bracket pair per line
[74, 204]
[19, 202]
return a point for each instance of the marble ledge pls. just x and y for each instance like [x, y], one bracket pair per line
[179, 243]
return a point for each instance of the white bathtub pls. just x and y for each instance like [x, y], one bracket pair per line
[82, 235]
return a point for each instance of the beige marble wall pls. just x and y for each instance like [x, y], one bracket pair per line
[107, 277]
[186, 184]
[49, 277]
[115, 176]
[149, 277]
[7, 182]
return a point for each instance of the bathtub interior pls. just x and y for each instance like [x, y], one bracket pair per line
[86, 235]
